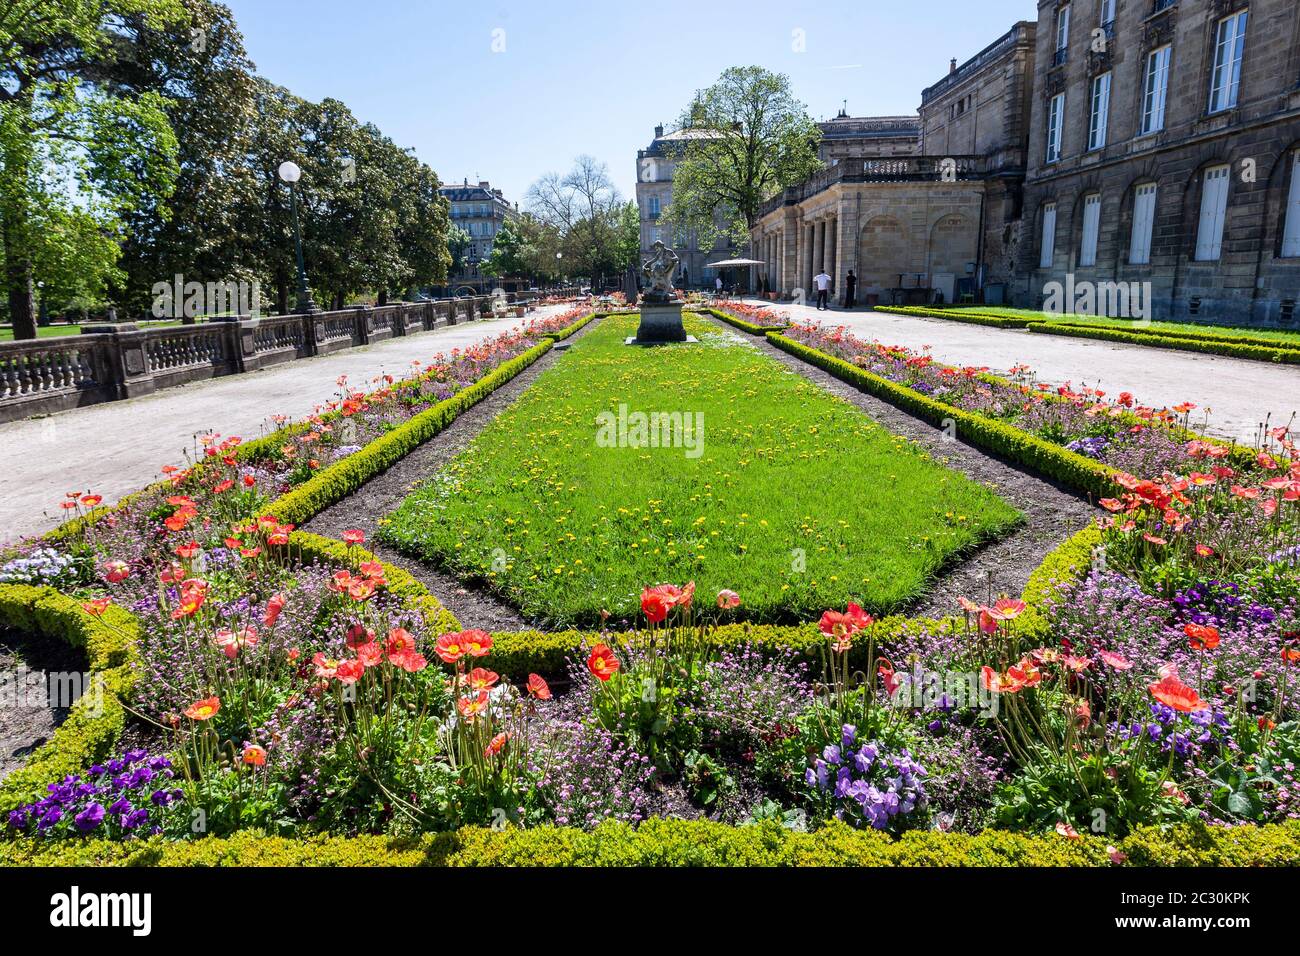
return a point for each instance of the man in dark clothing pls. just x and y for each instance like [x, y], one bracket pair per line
[850, 290]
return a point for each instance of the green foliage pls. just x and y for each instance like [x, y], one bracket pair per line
[748, 139]
[530, 509]
[683, 843]
[1204, 345]
[741, 324]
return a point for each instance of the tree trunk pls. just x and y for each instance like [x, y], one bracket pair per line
[22, 312]
[282, 297]
[383, 297]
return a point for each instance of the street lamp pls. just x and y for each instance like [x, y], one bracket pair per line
[44, 318]
[290, 174]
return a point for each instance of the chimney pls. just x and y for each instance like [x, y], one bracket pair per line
[952, 66]
[483, 184]
[659, 131]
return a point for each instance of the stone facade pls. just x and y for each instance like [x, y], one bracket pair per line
[654, 193]
[480, 211]
[939, 221]
[853, 137]
[1147, 203]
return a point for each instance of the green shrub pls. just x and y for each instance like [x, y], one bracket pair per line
[1190, 343]
[672, 842]
[744, 326]
[955, 315]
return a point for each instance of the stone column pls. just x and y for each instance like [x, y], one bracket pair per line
[789, 251]
[847, 245]
[819, 250]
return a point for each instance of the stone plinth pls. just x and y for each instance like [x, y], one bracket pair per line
[661, 323]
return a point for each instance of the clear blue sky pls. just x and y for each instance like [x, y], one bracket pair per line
[595, 77]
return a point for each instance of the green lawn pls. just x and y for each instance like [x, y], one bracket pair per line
[1264, 336]
[795, 499]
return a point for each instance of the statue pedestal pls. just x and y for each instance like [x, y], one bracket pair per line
[661, 323]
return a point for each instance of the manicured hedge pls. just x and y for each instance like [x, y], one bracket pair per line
[999, 438]
[955, 315]
[1162, 340]
[568, 330]
[95, 722]
[744, 326]
[661, 842]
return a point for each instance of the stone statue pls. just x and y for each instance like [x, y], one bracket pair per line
[658, 271]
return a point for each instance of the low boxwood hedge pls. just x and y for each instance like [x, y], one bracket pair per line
[999, 438]
[745, 326]
[1205, 345]
[668, 842]
[956, 315]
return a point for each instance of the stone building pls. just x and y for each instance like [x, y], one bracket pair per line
[940, 221]
[1165, 149]
[853, 137]
[654, 193]
[480, 211]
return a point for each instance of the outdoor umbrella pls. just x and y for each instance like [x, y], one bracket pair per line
[736, 263]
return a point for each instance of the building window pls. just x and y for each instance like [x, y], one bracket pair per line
[1156, 90]
[1214, 206]
[1048, 245]
[1099, 113]
[1091, 229]
[1062, 35]
[1108, 17]
[1055, 120]
[1291, 232]
[1144, 220]
[1225, 81]
[654, 207]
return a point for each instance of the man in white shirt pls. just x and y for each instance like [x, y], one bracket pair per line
[717, 285]
[823, 290]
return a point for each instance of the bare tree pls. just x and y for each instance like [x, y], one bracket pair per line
[584, 206]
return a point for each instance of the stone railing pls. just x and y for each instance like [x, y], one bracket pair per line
[108, 362]
[884, 169]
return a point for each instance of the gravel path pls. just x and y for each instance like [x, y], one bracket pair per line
[119, 447]
[1052, 513]
[26, 718]
[1239, 392]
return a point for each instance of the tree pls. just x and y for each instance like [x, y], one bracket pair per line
[200, 65]
[629, 236]
[457, 245]
[751, 139]
[584, 207]
[64, 132]
[511, 255]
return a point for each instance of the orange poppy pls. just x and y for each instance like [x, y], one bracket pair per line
[1172, 692]
[1202, 637]
[538, 687]
[204, 709]
[602, 662]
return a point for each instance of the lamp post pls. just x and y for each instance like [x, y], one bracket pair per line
[44, 318]
[290, 174]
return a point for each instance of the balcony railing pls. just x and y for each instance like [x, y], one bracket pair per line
[1060, 56]
[892, 169]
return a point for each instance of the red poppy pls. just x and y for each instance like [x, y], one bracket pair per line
[602, 662]
[450, 648]
[91, 501]
[538, 687]
[1172, 692]
[326, 667]
[842, 626]
[273, 608]
[400, 641]
[254, 756]
[481, 678]
[728, 599]
[232, 642]
[97, 606]
[354, 536]
[496, 745]
[1007, 609]
[187, 551]
[372, 655]
[116, 572]
[204, 709]
[1202, 637]
[656, 602]
[1067, 831]
[1114, 660]
[477, 643]
[471, 707]
[349, 672]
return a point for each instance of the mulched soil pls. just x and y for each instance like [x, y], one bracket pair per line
[379, 497]
[26, 719]
[1052, 513]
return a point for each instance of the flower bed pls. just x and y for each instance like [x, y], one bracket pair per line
[1138, 706]
[756, 320]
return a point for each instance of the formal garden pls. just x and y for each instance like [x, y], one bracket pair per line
[718, 562]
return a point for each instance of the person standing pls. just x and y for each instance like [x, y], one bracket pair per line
[850, 290]
[823, 290]
[717, 286]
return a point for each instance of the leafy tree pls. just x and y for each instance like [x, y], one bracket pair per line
[584, 207]
[200, 65]
[510, 253]
[62, 132]
[751, 139]
[457, 245]
[629, 236]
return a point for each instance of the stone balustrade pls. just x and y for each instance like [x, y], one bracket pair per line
[109, 362]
